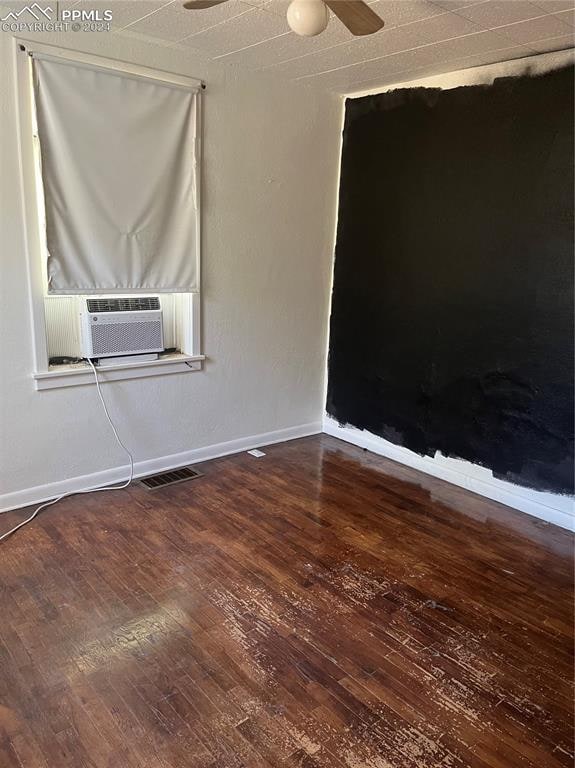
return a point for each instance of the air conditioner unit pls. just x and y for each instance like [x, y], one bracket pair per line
[113, 327]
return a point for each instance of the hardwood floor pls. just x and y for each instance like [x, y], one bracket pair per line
[320, 606]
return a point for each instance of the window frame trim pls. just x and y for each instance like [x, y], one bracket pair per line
[191, 357]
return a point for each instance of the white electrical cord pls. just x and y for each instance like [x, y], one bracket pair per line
[88, 490]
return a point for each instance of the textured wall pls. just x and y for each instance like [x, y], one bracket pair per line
[451, 324]
[270, 177]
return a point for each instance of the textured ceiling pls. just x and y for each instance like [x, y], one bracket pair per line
[420, 37]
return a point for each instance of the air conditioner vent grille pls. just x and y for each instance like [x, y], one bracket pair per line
[134, 304]
[117, 338]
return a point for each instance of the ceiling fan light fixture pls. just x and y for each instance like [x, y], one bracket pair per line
[307, 17]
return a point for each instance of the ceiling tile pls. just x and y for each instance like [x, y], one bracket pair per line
[438, 27]
[470, 45]
[288, 46]
[265, 53]
[526, 32]
[490, 57]
[173, 22]
[480, 59]
[238, 33]
[453, 5]
[398, 12]
[553, 6]
[279, 7]
[496, 13]
[552, 44]
[567, 17]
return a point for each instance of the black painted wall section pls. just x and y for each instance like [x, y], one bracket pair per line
[452, 311]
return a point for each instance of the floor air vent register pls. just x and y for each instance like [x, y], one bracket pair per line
[161, 480]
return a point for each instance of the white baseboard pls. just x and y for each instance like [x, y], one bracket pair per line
[40, 493]
[550, 507]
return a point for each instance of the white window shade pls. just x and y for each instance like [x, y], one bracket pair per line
[119, 174]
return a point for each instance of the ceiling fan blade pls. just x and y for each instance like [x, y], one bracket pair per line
[199, 5]
[356, 15]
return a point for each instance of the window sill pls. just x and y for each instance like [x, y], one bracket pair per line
[78, 374]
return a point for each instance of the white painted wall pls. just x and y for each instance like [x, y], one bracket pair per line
[553, 508]
[270, 175]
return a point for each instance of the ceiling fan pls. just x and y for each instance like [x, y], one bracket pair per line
[310, 17]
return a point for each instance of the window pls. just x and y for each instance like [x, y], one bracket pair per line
[103, 216]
